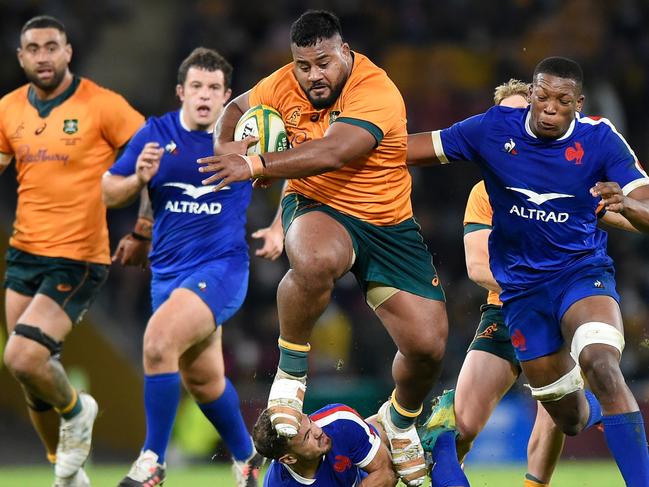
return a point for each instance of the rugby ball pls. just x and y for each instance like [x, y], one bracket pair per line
[266, 123]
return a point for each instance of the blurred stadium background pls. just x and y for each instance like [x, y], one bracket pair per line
[446, 57]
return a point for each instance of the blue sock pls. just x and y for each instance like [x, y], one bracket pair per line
[446, 470]
[161, 398]
[225, 415]
[595, 414]
[627, 440]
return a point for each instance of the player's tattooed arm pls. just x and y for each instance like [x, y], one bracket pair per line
[5, 160]
[634, 206]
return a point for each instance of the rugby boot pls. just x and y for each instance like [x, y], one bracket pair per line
[145, 471]
[441, 419]
[247, 473]
[79, 479]
[407, 453]
[75, 436]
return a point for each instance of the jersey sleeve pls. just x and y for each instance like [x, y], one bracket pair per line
[125, 165]
[622, 164]
[262, 93]
[478, 213]
[461, 141]
[119, 120]
[362, 440]
[374, 104]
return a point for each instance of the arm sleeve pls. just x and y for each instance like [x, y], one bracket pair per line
[119, 120]
[125, 165]
[622, 164]
[461, 141]
[374, 104]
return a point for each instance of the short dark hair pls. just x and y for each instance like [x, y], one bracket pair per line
[313, 26]
[266, 440]
[43, 22]
[207, 59]
[561, 67]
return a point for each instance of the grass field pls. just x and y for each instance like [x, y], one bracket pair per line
[569, 474]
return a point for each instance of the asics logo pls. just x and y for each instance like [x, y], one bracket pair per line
[194, 191]
[539, 198]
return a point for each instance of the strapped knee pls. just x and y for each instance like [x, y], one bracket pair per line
[36, 334]
[595, 332]
[567, 384]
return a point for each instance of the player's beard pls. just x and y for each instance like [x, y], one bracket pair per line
[47, 86]
[321, 103]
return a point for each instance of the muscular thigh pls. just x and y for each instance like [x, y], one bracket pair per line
[603, 309]
[414, 321]
[183, 320]
[316, 240]
[15, 305]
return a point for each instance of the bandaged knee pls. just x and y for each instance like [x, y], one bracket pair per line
[39, 336]
[570, 382]
[595, 332]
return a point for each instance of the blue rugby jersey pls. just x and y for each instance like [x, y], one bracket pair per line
[544, 215]
[193, 224]
[354, 446]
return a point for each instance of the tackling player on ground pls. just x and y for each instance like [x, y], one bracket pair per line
[347, 208]
[63, 132]
[334, 447]
[543, 168]
[199, 263]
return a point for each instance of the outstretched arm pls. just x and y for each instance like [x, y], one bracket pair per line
[342, 143]
[421, 149]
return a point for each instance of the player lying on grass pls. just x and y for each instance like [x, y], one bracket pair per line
[334, 447]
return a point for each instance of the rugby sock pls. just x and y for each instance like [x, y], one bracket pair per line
[161, 399]
[73, 408]
[532, 481]
[595, 414]
[627, 440]
[402, 417]
[225, 415]
[293, 357]
[447, 471]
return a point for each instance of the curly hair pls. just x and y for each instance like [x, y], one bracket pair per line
[313, 26]
[266, 440]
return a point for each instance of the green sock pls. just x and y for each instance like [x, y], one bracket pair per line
[293, 362]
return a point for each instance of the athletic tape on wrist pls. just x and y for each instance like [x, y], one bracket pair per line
[255, 165]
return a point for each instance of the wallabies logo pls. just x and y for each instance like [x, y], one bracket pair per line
[71, 126]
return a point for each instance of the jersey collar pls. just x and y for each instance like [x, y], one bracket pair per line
[184, 126]
[45, 107]
[298, 478]
[568, 133]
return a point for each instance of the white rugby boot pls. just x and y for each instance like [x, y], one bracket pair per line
[145, 471]
[75, 437]
[407, 454]
[79, 479]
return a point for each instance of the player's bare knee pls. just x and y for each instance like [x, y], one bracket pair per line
[24, 360]
[317, 266]
[423, 351]
[157, 351]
